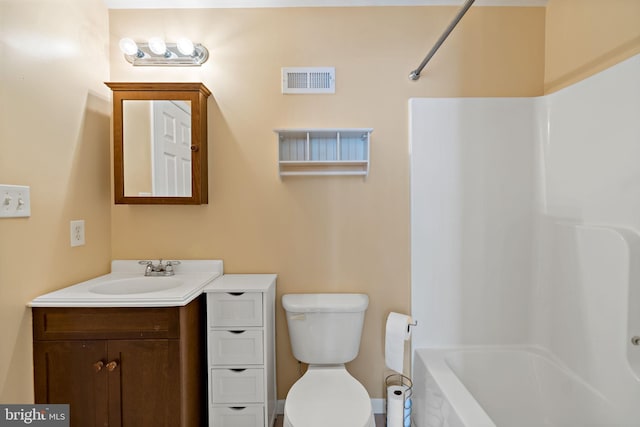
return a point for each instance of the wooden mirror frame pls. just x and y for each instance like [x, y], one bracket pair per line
[197, 94]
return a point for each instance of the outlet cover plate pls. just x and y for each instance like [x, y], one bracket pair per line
[77, 232]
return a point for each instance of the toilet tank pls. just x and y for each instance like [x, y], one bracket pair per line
[325, 328]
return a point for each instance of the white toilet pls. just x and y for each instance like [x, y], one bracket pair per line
[325, 332]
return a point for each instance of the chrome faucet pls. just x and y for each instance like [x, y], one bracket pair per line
[160, 269]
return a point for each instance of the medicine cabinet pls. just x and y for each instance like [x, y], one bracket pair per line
[324, 151]
[160, 143]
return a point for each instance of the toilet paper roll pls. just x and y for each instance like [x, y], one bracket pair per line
[395, 405]
[397, 332]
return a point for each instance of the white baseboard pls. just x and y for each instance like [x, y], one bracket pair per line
[376, 404]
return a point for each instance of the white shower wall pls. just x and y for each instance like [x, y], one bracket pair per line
[586, 304]
[590, 148]
[500, 188]
[472, 219]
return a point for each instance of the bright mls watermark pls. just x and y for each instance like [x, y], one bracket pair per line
[34, 415]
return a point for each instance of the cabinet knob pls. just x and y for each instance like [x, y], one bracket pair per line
[98, 366]
[112, 365]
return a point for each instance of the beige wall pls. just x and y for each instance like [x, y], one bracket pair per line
[320, 234]
[54, 137]
[136, 128]
[584, 37]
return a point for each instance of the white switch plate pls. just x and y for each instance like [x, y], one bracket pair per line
[77, 232]
[15, 201]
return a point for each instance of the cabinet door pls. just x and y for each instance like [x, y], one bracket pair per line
[73, 372]
[144, 383]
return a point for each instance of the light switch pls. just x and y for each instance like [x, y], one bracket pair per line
[15, 201]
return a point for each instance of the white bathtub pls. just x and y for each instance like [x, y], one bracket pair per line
[504, 387]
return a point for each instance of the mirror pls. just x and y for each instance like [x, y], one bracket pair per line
[160, 143]
[157, 148]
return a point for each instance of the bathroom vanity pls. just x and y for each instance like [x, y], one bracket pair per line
[121, 366]
[241, 350]
[126, 350]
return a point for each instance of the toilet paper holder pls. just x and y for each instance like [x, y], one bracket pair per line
[399, 390]
[415, 323]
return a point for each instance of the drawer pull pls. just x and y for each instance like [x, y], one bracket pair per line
[236, 294]
[98, 366]
[111, 366]
[237, 332]
[238, 370]
[237, 408]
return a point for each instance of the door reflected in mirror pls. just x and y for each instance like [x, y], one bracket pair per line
[157, 148]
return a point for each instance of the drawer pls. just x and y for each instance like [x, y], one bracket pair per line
[235, 386]
[234, 309]
[236, 416]
[236, 347]
[55, 323]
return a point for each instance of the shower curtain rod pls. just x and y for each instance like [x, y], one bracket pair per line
[415, 74]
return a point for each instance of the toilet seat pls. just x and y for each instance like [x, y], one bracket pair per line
[328, 395]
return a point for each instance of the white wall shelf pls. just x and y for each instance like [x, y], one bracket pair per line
[324, 151]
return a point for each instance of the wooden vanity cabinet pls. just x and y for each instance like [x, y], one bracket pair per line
[122, 367]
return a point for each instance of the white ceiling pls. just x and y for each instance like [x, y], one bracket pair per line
[223, 4]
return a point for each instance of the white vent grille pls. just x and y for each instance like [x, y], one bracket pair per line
[309, 80]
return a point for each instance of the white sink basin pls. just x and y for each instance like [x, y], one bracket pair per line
[136, 285]
[127, 286]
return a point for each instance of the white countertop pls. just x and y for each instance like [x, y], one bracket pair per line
[191, 277]
[242, 283]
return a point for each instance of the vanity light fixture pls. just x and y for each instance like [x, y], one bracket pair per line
[157, 52]
[159, 47]
[185, 46]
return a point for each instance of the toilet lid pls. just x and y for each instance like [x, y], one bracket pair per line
[328, 396]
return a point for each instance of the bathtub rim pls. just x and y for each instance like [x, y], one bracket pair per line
[460, 398]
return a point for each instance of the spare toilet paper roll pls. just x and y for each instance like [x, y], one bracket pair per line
[397, 332]
[395, 405]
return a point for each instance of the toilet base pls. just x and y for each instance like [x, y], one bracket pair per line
[327, 395]
[372, 422]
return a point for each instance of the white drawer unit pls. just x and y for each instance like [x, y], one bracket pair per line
[234, 309]
[237, 416]
[241, 350]
[236, 347]
[231, 386]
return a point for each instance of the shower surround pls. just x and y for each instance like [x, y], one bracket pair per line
[525, 218]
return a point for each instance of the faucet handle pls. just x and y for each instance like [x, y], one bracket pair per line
[149, 267]
[169, 266]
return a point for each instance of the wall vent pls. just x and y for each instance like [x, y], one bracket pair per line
[309, 80]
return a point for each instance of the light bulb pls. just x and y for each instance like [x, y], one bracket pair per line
[157, 46]
[128, 46]
[185, 46]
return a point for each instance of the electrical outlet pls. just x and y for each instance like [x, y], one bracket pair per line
[77, 232]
